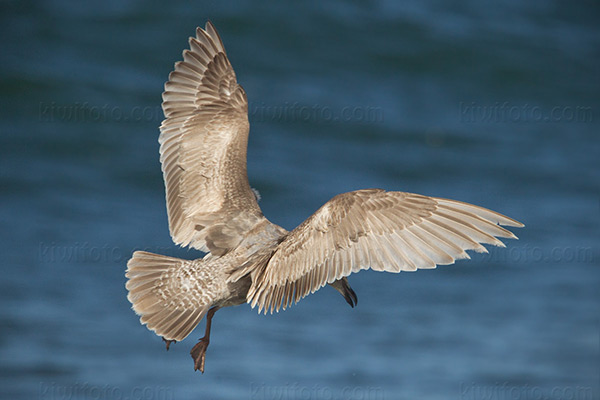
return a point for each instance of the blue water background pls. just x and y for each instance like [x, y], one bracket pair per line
[494, 103]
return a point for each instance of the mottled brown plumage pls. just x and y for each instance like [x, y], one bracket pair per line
[211, 207]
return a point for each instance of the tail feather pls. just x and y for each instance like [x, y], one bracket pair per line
[166, 295]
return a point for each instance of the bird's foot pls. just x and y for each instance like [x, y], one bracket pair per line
[168, 342]
[199, 353]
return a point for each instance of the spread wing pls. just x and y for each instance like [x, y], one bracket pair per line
[383, 231]
[203, 143]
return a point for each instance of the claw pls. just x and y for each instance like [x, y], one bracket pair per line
[342, 286]
[168, 342]
[198, 353]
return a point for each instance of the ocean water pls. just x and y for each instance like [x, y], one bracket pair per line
[494, 103]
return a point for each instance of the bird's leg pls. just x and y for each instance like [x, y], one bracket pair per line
[342, 286]
[168, 342]
[199, 350]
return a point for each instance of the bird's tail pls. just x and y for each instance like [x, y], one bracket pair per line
[166, 293]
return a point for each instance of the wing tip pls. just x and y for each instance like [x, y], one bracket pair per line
[507, 221]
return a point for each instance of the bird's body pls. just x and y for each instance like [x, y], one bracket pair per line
[212, 207]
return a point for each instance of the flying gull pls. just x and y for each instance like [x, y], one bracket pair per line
[211, 207]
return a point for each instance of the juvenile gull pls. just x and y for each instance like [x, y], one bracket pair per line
[211, 207]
